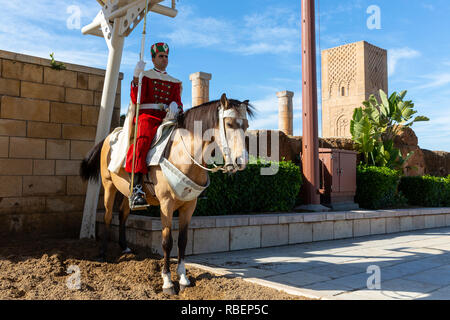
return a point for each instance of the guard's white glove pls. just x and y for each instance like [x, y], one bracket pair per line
[140, 67]
[172, 111]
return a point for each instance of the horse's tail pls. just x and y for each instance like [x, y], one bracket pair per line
[90, 166]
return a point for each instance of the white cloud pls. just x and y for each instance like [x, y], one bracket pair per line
[190, 30]
[395, 55]
[274, 31]
[436, 80]
[433, 134]
[269, 121]
[39, 28]
[428, 6]
[267, 104]
[45, 12]
[339, 8]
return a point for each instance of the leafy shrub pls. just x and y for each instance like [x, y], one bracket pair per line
[426, 190]
[249, 191]
[376, 187]
[374, 127]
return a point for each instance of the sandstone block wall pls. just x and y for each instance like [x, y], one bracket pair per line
[48, 123]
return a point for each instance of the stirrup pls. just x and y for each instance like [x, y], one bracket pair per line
[137, 190]
[138, 207]
[134, 207]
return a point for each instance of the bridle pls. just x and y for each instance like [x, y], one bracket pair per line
[236, 113]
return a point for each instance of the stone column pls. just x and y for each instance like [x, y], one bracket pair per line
[285, 114]
[200, 87]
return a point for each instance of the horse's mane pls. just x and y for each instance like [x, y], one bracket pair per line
[208, 114]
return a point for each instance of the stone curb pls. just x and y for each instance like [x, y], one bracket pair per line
[238, 232]
[153, 223]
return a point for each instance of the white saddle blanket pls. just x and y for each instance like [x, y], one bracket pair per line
[184, 188]
[159, 143]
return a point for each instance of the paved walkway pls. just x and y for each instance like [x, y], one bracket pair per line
[410, 265]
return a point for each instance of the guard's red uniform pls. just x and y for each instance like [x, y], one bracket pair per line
[157, 87]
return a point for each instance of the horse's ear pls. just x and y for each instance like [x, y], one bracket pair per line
[224, 100]
[245, 102]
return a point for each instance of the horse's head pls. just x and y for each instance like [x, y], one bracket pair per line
[221, 126]
[230, 131]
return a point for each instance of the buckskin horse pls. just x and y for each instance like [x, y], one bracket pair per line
[226, 121]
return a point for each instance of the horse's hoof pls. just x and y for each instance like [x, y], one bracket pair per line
[183, 287]
[169, 291]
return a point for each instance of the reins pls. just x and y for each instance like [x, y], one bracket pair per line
[230, 113]
[217, 168]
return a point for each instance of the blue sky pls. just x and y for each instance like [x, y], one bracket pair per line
[252, 48]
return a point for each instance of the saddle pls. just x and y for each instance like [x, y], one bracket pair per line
[184, 188]
[158, 146]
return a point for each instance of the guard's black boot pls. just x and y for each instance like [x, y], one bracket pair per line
[138, 195]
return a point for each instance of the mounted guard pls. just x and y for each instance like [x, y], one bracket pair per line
[160, 99]
[227, 120]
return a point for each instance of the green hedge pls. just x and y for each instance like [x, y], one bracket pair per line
[426, 190]
[248, 191]
[376, 187]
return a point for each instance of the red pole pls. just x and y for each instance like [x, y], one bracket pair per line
[310, 143]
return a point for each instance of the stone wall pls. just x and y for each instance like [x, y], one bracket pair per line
[437, 163]
[48, 122]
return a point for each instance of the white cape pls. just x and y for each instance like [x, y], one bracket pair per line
[120, 139]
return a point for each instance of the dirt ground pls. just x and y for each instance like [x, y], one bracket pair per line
[32, 270]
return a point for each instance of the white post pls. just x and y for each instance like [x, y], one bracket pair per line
[103, 125]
